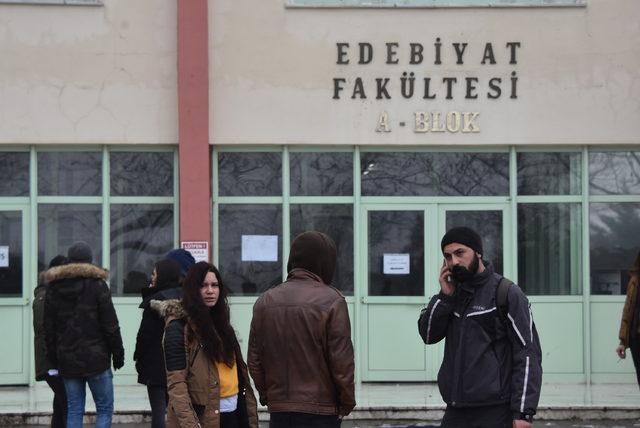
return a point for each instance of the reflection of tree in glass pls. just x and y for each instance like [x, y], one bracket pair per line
[140, 236]
[14, 174]
[67, 224]
[614, 231]
[141, 173]
[70, 173]
[614, 173]
[322, 174]
[548, 173]
[250, 174]
[248, 277]
[435, 174]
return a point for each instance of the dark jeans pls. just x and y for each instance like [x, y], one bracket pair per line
[158, 401]
[634, 347]
[499, 416]
[303, 420]
[229, 420]
[59, 416]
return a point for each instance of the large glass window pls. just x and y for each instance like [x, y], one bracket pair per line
[250, 247]
[614, 234]
[321, 174]
[14, 174]
[60, 225]
[250, 174]
[549, 173]
[614, 173]
[550, 249]
[140, 236]
[435, 174]
[69, 173]
[141, 173]
[337, 222]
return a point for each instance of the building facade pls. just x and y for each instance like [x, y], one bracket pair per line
[137, 127]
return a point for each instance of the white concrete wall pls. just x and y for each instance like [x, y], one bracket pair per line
[83, 75]
[273, 68]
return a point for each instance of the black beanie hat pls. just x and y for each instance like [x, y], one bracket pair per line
[80, 252]
[464, 236]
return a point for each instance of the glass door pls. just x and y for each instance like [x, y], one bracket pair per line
[394, 273]
[14, 296]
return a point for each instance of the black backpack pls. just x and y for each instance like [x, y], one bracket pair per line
[502, 305]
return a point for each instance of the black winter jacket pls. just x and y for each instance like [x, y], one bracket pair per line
[39, 347]
[487, 359]
[149, 355]
[81, 327]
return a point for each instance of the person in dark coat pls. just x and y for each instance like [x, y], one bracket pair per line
[491, 372]
[44, 369]
[300, 350]
[165, 285]
[82, 334]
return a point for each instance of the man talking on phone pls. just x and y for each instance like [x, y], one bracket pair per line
[491, 372]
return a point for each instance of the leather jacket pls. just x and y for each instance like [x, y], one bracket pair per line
[300, 351]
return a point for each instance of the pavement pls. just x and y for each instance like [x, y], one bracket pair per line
[550, 424]
[396, 405]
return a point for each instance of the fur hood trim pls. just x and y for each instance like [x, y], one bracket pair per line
[75, 270]
[171, 308]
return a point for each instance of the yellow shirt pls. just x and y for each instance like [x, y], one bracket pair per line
[228, 379]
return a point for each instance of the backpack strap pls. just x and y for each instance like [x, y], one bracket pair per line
[502, 290]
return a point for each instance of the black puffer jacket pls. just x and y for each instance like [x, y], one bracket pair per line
[39, 346]
[487, 359]
[81, 327]
[149, 356]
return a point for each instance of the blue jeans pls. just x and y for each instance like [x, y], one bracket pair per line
[101, 386]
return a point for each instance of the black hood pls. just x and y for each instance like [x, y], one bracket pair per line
[315, 252]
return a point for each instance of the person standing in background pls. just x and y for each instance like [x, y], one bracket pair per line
[44, 369]
[148, 356]
[629, 333]
[82, 334]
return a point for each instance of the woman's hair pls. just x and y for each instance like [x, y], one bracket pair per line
[212, 325]
[635, 268]
[168, 274]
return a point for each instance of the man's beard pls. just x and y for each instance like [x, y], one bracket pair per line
[462, 274]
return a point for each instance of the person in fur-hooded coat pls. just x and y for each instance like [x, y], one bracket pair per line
[207, 378]
[82, 333]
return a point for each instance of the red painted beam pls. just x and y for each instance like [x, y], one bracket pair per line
[193, 121]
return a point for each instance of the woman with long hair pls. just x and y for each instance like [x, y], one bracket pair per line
[165, 284]
[207, 378]
[630, 324]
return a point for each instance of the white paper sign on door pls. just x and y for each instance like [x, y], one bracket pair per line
[396, 264]
[259, 248]
[4, 256]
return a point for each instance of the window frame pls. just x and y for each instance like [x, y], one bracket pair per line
[396, 4]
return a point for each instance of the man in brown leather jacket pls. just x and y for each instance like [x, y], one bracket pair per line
[300, 349]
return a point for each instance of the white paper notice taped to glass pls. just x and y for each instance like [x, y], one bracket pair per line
[396, 264]
[259, 248]
[4, 256]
